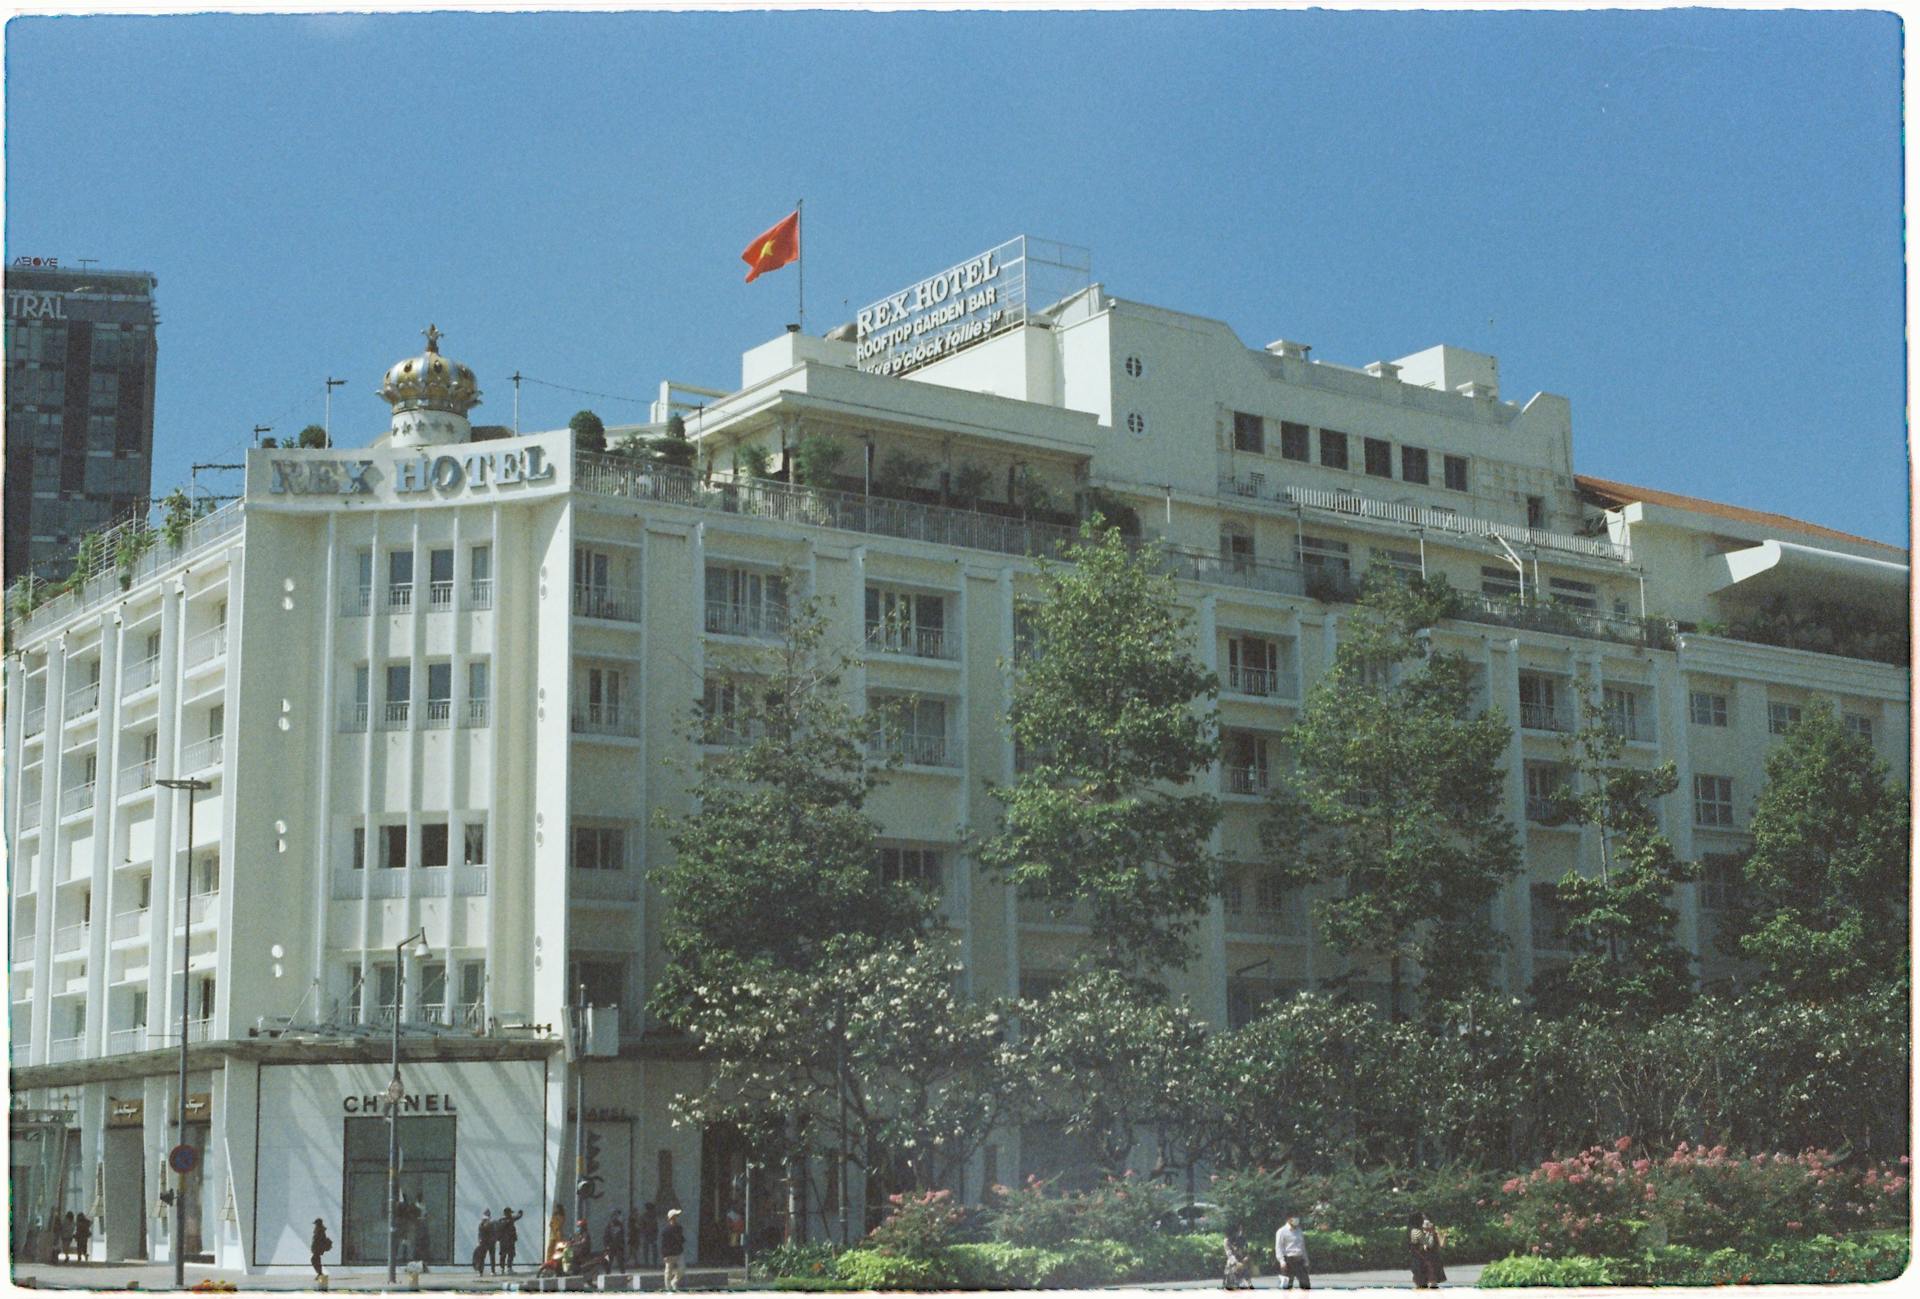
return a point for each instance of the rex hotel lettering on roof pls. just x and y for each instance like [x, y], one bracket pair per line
[410, 475]
[943, 313]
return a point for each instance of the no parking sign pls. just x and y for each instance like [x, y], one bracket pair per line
[183, 1159]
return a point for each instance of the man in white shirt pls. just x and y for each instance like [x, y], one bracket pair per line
[1290, 1252]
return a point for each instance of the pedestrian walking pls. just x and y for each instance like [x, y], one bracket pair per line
[1235, 1274]
[615, 1243]
[1290, 1252]
[1424, 1244]
[319, 1246]
[648, 1224]
[65, 1249]
[673, 1248]
[483, 1244]
[506, 1233]
[82, 1236]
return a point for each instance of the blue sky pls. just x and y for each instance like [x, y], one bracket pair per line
[1688, 222]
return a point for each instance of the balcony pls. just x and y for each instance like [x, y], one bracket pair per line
[439, 715]
[70, 939]
[1245, 780]
[130, 924]
[1565, 620]
[1427, 518]
[606, 719]
[399, 597]
[199, 1030]
[136, 777]
[207, 646]
[204, 754]
[394, 714]
[30, 812]
[1263, 683]
[916, 642]
[356, 602]
[468, 881]
[353, 717]
[611, 604]
[762, 621]
[604, 886]
[1545, 717]
[63, 1048]
[83, 700]
[914, 749]
[140, 675]
[125, 1041]
[24, 948]
[480, 593]
[35, 722]
[479, 713]
[202, 908]
[76, 800]
[1544, 811]
[439, 596]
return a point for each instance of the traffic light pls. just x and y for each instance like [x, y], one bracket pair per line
[592, 1154]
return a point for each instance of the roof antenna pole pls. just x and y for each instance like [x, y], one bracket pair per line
[516, 403]
[332, 383]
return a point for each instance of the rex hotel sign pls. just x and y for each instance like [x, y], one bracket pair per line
[409, 475]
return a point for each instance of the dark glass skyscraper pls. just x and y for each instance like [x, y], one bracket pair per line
[80, 364]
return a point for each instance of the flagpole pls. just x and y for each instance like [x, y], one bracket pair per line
[800, 257]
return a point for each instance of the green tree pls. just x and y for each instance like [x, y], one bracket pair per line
[1117, 720]
[313, 435]
[1620, 926]
[1396, 799]
[673, 447]
[1826, 917]
[816, 459]
[589, 432]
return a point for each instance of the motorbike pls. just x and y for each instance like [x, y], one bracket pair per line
[566, 1261]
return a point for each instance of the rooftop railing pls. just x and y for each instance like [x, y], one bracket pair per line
[1441, 519]
[103, 583]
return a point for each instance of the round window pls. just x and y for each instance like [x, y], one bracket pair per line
[1136, 423]
[1134, 367]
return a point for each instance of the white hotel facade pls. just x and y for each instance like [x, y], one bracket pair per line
[434, 684]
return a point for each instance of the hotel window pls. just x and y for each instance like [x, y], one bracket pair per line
[433, 843]
[1330, 557]
[599, 848]
[918, 866]
[1706, 708]
[599, 691]
[1578, 595]
[1236, 547]
[1244, 759]
[1379, 457]
[362, 687]
[1333, 449]
[602, 982]
[1456, 471]
[480, 576]
[1539, 706]
[741, 602]
[1781, 718]
[440, 579]
[1402, 564]
[1536, 511]
[473, 991]
[479, 691]
[439, 694]
[386, 993]
[1253, 665]
[1713, 800]
[433, 991]
[473, 843]
[1622, 709]
[911, 728]
[1549, 922]
[1544, 783]
[363, 589]
[728, 708]
[905, 622]
[1859, 724]
[399, 579]
[393, 847]
[1722, 880]
[399, 693]
[1413, 464]
[359, 847]
[1499, 582]
[1249, 432]
[1293, 441]
[103, 390]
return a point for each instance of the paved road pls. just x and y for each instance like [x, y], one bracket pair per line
[159, 1276]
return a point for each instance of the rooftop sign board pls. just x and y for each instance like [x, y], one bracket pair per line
[962, 305]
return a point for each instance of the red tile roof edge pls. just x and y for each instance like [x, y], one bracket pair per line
[1626, 493]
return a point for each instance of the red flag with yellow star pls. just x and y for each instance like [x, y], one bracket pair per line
[773, 249]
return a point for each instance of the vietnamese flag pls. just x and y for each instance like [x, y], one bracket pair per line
[773, 249]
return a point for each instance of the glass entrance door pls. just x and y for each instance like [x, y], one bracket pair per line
[424, 1218]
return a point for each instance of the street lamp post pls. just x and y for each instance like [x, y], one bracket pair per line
[192, 786]
[394, 1094]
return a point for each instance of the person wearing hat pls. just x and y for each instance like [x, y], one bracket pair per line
[320, 1244]
[673, 1248]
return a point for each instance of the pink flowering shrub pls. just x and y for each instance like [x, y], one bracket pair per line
[917, 1226]
[1598, 1201]
[1129, 1208]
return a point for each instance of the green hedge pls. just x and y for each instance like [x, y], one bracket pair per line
[993, 1265]
[1822, 1260]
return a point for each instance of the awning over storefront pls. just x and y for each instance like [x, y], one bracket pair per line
[1789, 569]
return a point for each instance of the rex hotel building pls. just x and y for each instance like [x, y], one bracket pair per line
[431, 683]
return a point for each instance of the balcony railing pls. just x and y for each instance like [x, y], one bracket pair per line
[130, 924]
[479, 713]
[198, 1030]
[76, 800]
[104, 583]
[614, 604]
[125, 1041]
[1545, 717]
[203, 754]
[1263, 683]
[1421, 516]
[35, 721]
[207, 646]
[136, 777]
[919, 642]
[1565, 620]
[83, 699]
[63, 1048]
[400, 596]
[480, 593]
[353, 717]
[468, 881]
[141, 675]
[1245, 780]
[24, 948]
[439, 715]
[604, 886]
[356, 601]
[1630, 728]
[1545, 811]
[393, 716]
[201, 908]
[606, 719]
[30, 812]
[914, 749]
[70, 938]
[440, 596]
[725, 618]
